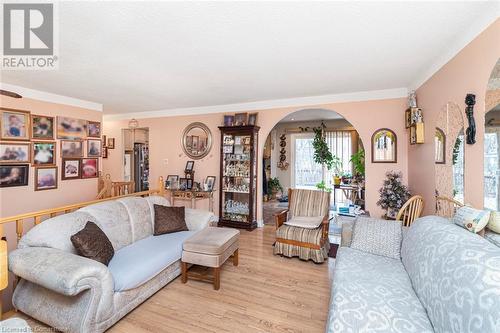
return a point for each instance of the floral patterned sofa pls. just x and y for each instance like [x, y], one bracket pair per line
[447, 280]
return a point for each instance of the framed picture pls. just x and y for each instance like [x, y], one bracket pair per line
[104, 141]
[189, 141]
[439, 146]
[384, 146]
[189, 166]
[90, 168]
[14, 175]
[44, 153]
[104, 152]
[183, 184]
[240, 119]
[195, 144]
[210, 183]
[94, 129]
[15, 152]
[42, 127]
[189, 184]
[408, 118]
[71, 168]
[45, 178]
[228, 120]
[71, 128]
[172, 181]
[111, 143]
[94, 148]
[252, 119]
[71, 148]
[15, 124]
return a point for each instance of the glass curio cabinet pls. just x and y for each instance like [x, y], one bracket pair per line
[238, 177]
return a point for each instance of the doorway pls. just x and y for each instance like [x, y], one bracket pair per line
[136, 157]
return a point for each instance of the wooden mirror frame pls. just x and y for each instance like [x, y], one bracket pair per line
[395, 160]
[184, 140]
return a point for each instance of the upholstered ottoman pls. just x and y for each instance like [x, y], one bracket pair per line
[210, 247]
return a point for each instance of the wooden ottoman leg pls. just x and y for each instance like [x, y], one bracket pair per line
[236, 257]
[216, 278]
[184, 277]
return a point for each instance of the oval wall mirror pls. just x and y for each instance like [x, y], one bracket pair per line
[449, 146]
[196, 140]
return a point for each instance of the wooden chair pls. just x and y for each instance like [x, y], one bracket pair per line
[110, 188]
[446, 207]
[411, 210]
[306, 243]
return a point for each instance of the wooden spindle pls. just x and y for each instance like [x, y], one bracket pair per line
[19, 229]
[38, 220]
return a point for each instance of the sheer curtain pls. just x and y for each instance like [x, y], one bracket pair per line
[306, 172]
[340, 144]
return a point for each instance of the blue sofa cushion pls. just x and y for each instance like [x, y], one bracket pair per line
[372, 293]
[456, 275]
[139, 262]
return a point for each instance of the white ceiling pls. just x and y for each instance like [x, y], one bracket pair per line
[146, 56]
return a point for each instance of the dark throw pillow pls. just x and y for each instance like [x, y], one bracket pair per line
[169, 219]
[91, 242]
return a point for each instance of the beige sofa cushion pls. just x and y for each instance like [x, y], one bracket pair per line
[212, 240]
[307, 222]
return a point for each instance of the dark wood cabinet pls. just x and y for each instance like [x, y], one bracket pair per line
[238, 176]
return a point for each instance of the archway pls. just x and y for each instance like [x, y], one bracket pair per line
[287, 159]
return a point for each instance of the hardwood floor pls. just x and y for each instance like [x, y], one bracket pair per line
[265, 293]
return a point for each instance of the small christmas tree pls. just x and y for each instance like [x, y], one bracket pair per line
[393, 194]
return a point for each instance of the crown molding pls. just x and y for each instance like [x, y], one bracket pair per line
[52, 98]
[475, 28]
[269, 104]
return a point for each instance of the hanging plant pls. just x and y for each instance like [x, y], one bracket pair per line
[322, 154]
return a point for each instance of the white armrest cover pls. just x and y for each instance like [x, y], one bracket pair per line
[197, 219]
[60, 271]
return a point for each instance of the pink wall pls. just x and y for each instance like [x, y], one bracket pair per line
[165, 135]
[467, 72]
[23, 199]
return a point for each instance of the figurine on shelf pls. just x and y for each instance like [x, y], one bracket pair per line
[412, 99]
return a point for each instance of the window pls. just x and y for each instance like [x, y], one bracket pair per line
[305, 172]
[491, 171]
[340, 144]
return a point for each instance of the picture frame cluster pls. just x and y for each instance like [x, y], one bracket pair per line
[241, 119]
[34, 140]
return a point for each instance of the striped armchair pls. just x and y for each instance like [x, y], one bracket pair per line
[302, 229]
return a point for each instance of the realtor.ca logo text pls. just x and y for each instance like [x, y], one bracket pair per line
[30, 36]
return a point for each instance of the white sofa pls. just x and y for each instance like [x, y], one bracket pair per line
[76, 294]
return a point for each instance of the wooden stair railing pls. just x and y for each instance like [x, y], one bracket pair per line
[108, 188]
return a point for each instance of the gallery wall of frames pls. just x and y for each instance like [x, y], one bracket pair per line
[31, 142]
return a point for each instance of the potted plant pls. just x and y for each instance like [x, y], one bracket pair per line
[273, 186]
[358, 162]
[393, 194]
[322, 186]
